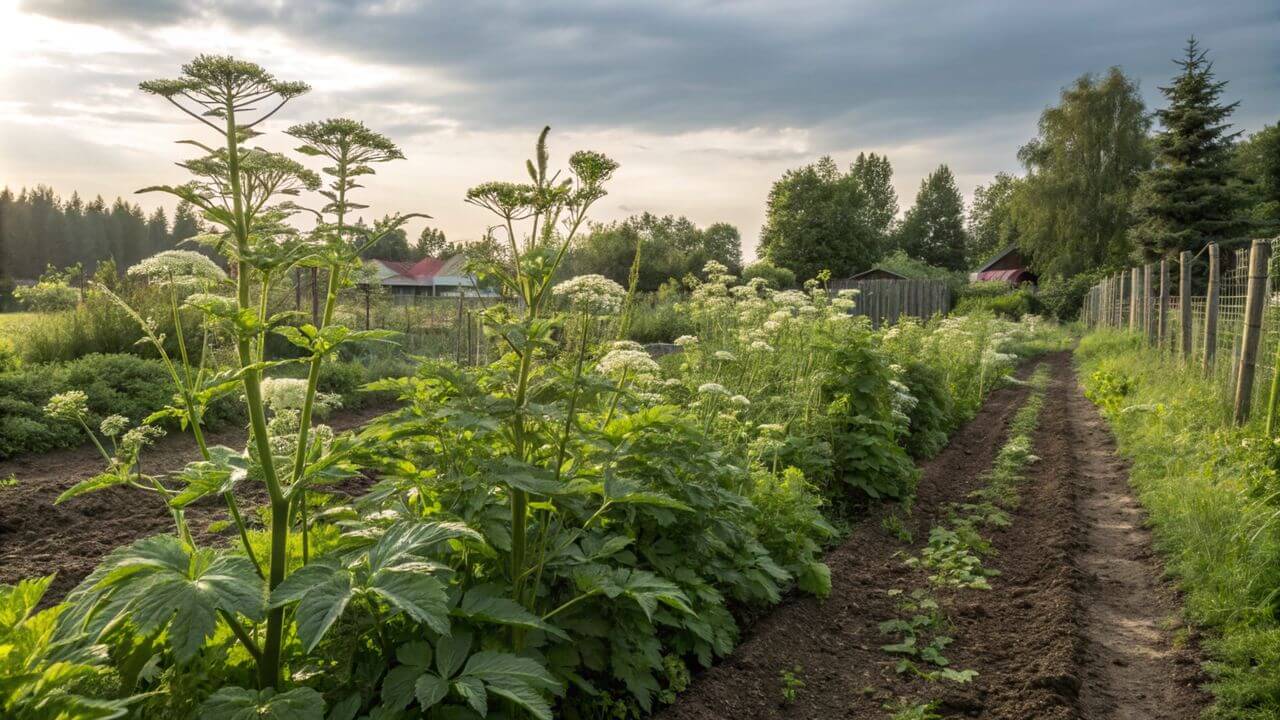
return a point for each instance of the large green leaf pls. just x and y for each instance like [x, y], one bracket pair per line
[101, 481]
[236, 703]
[321, 607]
[218, 475]
[480, 604]
[642, 586]
[519, 679]
[411, 537]
[158, 583]
[421, 596]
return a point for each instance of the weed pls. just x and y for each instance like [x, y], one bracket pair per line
[791, 683]
[910, 710]
[9, 482]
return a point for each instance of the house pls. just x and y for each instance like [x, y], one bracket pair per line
[428, 277]
[1008, 265]
[878, 273]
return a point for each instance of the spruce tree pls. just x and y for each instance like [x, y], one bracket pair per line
[1190, 197]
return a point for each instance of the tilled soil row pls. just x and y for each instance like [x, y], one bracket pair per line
[1041, 646]
[38, 537]
[836, 642]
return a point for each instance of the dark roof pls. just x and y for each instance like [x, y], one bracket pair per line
[1012, 276]
[877, 270]
[999, 256]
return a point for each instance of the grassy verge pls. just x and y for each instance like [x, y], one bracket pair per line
[1211, 493]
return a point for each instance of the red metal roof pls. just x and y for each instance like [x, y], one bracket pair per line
[1013, 276]
[424, 269]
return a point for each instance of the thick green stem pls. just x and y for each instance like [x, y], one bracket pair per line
[269, 664]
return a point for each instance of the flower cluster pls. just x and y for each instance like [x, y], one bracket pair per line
[595, 294]
[632, 362]
[113, 425]
[179, 267]
[71, 405]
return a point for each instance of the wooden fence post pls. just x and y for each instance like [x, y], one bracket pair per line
[1211, 310]
[1134, 303]
[1148, 308]
[1184, 302]
[1163, 321]
[1253, 305]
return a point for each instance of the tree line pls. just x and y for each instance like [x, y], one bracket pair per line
[1100, 189]
[38, 229]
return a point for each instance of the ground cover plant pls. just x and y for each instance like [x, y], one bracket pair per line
[1209, 490]
[570, 528]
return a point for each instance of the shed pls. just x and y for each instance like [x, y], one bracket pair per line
[1008, 265]
[878, 273]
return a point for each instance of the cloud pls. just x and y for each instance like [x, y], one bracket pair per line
[705, 101]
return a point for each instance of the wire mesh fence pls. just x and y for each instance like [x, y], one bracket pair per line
[1222, 282]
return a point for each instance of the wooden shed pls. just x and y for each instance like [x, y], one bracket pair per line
[1009, 266]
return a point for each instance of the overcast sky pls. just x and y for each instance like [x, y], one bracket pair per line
[703, 103]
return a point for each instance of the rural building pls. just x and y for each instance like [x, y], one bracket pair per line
[1008, 265]
[428, 277]
[877, 273]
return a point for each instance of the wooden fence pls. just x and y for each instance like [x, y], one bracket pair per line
[1231, 330]
[887, 301]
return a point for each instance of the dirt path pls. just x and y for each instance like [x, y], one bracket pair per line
[38, 537]
[1075, 626]
[1128, 611]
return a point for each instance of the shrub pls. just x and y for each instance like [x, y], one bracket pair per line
[998, 298]
[778, 278]
[655, 320]
[1063, 297]
[932, 415]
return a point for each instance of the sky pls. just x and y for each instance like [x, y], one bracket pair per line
[705, 103]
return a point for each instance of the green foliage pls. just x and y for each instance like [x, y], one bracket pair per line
[1257, 163]
[933, 229]
[990, 223]
[819, 218]
[875, 175]
[52, 293]
[1071, 212]
[1208, 488]
[999, 298]
[42, 229]
[1190, 197]
[932, 415]
[792, 684]
[670, 247]
[1063, 298]
[777, 278]
[657, 319]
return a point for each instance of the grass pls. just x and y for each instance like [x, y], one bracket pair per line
[1210, 491]
[13, 322]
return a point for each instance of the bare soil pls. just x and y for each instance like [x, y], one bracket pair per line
[1078, 624]
[38, 537]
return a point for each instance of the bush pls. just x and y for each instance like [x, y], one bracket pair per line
[932, 417]
[655, 320]
[1063, 297]
[778, 278]
[115, 384]
[998, 298]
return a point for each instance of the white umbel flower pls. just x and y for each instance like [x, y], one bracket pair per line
[593, 293]
[284, 393]
[633, 362]
[182, 267]
[687, 340]
[713, 389]
[70, 405]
